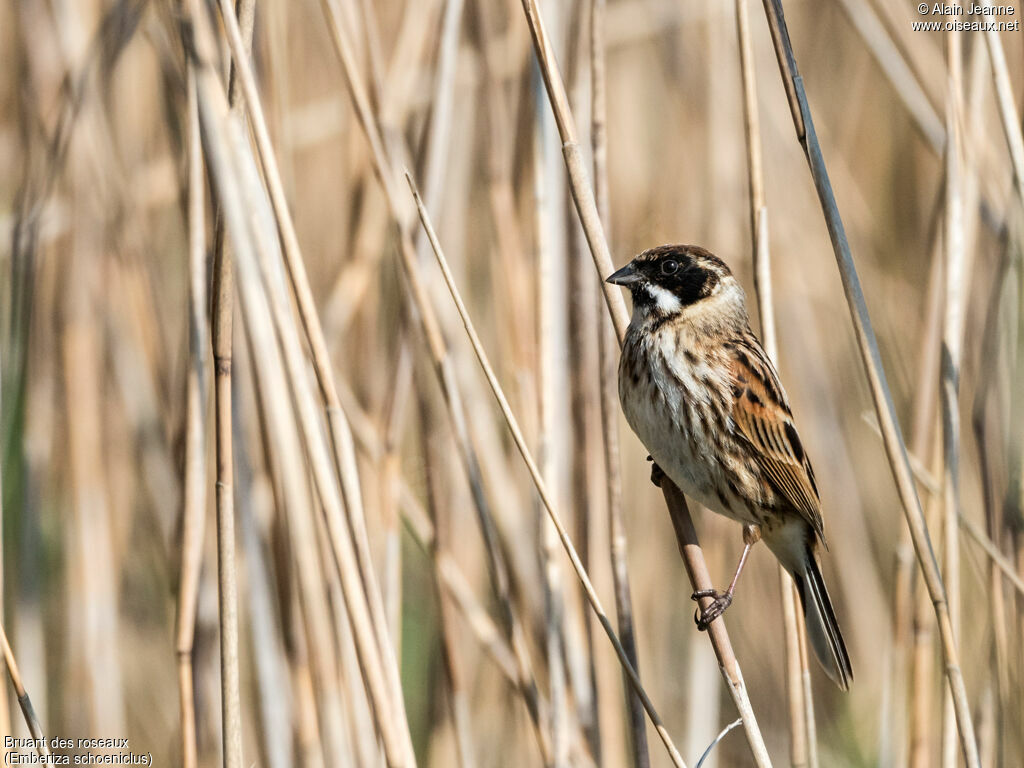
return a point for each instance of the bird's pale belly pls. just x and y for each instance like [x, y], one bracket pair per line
[672, 414]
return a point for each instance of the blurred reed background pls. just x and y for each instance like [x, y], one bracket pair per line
[333, 511]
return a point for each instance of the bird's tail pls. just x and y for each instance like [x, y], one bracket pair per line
[822, 626]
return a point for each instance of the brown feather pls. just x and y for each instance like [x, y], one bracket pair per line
[763, 417]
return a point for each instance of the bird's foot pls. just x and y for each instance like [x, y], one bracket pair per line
[704, 616]
[657, 474]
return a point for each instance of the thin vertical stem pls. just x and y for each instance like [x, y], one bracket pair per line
[452, 659]
[223, 289]
[547, 304]
[952, 333]
[608, 362]
[194, 483]
[801, 708]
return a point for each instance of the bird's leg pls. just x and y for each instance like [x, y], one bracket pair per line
[657, 474]
[722, 600]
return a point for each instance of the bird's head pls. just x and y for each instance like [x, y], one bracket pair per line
[675, 280]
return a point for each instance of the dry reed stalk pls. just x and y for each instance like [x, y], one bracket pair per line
[27, 710]
[548, 304]
[437, 506]
[590, 220]
[988, 360]
[588, 525]
[511, 285]
[608, 364]
[272, 694]
[582, 193]
[584, 400]
[223, 289]
[435, 156]
[443, 369]
[225, 149]
[92, 575]
[1008, 113]
[686, 537]
[394, 419]
[314, 653]
[418, 523]
[5, 719]
[390, 105]
[923, 659]
[343, 453]
[339, 428]
[450, 575]
[193, 514]
[538, 480]
[998, 559]
[924, 61]
[952, 345]
[803, 751]
[583, 376]
[871, 358]
[89, 540]
[365, 626]
[927, 480]
[899, 72]
[923, 425]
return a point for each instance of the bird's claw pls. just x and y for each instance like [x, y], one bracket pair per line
[703, 617]
[657, 474]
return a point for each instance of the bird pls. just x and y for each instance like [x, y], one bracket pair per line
[698, 389]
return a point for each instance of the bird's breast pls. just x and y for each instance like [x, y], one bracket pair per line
[678, 402]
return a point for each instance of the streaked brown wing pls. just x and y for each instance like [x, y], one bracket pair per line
[763, 417]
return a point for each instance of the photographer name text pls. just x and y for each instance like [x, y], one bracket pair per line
[939, 9]
[966, 18]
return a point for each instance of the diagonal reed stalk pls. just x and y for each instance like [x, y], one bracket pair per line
[582, 193]
[689, 550]
[340, 432]
[590, 220]
[27, 710]
[437, 349]
[538, 480]
[232, 164]
[871, 358]
[927, 480]
[449, 574]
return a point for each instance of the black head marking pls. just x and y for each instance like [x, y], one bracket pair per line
[688, 272]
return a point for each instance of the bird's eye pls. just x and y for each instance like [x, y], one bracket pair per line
[669, 267]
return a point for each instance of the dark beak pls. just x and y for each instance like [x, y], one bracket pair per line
[625, 276]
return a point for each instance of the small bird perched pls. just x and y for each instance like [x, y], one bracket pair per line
[701, 394]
